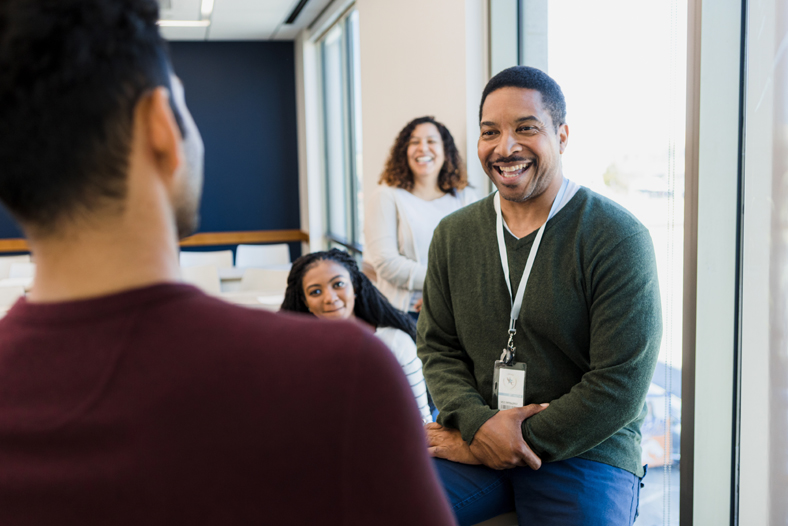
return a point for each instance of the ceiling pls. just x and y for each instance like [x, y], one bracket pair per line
[239, 19]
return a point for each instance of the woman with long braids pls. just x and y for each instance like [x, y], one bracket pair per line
[330, 285]
[424, 181]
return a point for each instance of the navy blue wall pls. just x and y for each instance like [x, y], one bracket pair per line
[242, 97]
[8, 228]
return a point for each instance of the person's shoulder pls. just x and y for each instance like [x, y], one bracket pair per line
[467, 195]
[469, 225]
[394, 337]
[604, 216]
[469, 215]
[384, 191]
[214, 325]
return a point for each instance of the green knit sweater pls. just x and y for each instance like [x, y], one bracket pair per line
[589, 329]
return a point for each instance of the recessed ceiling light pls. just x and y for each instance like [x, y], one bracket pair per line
[206, 9]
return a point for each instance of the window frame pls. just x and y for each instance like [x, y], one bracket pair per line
[350, 134]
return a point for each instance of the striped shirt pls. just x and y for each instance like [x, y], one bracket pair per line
[404, 350]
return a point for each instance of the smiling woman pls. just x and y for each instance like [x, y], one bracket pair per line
[424, 181]
[330, 285]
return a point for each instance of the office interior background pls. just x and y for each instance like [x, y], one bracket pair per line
[677, 109]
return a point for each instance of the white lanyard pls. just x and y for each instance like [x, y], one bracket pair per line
[517, 301]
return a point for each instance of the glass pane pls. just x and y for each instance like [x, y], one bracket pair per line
[335, 145]
[622, 66]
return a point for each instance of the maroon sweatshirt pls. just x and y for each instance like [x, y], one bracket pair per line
[165, 406]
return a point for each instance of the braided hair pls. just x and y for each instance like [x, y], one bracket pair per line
[370, 305]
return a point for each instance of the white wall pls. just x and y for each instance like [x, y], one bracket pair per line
[764, 464]
[421, 57]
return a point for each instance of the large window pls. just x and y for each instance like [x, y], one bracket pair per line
[339, 63]
[622, 66]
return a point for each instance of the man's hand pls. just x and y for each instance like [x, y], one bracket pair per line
[444, 442]
[418, 305]
[499, 443]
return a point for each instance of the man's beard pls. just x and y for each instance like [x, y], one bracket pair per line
[187, 205]
[187, 218]
[187, 201]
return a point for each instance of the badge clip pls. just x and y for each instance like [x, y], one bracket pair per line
[507, 356]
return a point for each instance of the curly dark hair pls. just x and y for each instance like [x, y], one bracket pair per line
[370, 306]
[530, 78]
[72, 74]
[397, 172]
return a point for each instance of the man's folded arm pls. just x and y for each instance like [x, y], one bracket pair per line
[626, 330]
[447, 367]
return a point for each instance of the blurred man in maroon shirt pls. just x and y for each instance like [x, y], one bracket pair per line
[125, 396]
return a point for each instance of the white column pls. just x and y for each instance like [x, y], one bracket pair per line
[310, 180]
[504, 34]
[713, 128]
[533, 51]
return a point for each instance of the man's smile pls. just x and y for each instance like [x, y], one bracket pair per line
[512, 170]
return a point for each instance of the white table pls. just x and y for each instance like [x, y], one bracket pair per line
[26, 283]
[230, 277]
[258, 299]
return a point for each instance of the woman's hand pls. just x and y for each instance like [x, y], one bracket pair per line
[419, 303]
[448, 444]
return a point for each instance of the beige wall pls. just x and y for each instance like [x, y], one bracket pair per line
[421, 57]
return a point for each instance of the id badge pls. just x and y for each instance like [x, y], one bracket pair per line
[508, 385]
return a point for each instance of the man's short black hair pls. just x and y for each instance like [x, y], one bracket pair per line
[530, 78]
[71, 74]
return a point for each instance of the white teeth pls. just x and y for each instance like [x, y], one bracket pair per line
[516, 168]
[423, 159]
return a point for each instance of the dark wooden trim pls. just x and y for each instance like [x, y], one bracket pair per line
[235, 238]
[205, 239]
[14, 245]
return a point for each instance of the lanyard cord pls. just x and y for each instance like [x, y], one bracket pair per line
[517, 301]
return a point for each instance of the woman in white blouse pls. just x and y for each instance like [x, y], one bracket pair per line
[424, 181]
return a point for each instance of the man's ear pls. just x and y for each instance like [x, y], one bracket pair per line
[162, 132]
[563, 137]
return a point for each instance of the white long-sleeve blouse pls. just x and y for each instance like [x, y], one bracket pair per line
[398, 232]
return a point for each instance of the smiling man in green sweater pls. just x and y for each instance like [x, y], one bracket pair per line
[565, 449]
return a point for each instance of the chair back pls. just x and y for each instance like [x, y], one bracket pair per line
[204, 277]
[262, 255]
[7, 261]
[9, 295]
[22, 270]
[264, 279]
[216, 258]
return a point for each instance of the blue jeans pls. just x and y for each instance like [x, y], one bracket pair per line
[573, 492]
